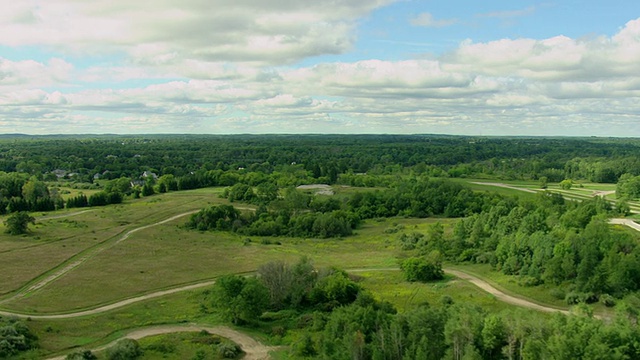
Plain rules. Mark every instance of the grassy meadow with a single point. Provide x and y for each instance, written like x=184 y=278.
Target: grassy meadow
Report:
x=115 y=263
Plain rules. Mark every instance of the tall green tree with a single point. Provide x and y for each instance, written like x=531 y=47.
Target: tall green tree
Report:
x=18 y=223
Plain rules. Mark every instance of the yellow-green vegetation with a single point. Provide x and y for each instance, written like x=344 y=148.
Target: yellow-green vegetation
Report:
x=166 y=255
x=390 y=286
x=97 y=330
x=182 y=345
x=541 y=294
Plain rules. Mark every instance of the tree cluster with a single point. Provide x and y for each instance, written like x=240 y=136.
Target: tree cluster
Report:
x=366 y=330
x=15 y=337
x=279 y=286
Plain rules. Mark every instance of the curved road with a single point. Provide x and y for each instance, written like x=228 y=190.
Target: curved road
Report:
x=254 y=350
x=500 y=295
x=460 y=274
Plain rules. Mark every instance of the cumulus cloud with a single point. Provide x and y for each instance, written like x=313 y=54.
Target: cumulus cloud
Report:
x=30 y=73
x=220 y=84
x=164 y=32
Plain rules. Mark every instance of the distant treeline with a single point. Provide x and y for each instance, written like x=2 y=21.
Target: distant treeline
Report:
x=324 y=157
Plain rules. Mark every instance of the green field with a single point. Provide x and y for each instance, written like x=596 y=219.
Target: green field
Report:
x=108 y=254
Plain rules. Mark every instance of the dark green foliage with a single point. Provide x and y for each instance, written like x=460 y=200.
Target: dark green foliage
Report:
x=229 y=350
x=147 y=190
x=240 y=299
x=81 y=355
x=18 y=223
x=421 y=269
x=103 y=198
x=125 y=349
x=221 y=217
x=78 y=201
x=15 y=337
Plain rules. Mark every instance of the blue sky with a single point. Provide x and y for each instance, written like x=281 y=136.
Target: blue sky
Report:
x=328 y=66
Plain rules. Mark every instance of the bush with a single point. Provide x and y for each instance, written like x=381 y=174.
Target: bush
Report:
x=558 y=293
x=229 y=350
x=421 y=269
x=529 y=281
x=81 y=355
x=574 y=298
x=125 y=349
x=607 y=300
x=15 y=337
x=18 y=223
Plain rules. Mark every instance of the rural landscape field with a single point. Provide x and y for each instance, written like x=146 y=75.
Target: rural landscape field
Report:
x=289 y=247
x=319 y=180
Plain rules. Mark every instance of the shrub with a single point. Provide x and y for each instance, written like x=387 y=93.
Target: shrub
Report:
x=125 y=349
x=558 y=293
x=229 y=350
x=421 y=269
x=81 y=355
x=607 y=300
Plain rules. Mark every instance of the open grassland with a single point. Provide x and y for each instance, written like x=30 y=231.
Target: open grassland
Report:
x=68 y=192
x=61 y=237
x=167 y=255
x=93 y=331
x=391 y=286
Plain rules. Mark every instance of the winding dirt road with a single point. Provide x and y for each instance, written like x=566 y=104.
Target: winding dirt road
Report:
x=254 y=350
x=457 y=273
x=500 y=295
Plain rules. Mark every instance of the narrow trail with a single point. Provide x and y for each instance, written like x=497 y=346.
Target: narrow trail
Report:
x=65 y=269
x=504 y=186
x=51 y=217
x=113 y=306
x=254 y=350
x=501 y=295
x=485 y=286
x=627 y=222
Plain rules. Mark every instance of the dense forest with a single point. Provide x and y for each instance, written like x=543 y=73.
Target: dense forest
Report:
x=136 y=166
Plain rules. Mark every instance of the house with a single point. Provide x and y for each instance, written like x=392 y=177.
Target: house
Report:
x=149 y=174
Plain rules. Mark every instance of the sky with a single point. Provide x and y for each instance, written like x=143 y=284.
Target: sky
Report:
x=557 y=68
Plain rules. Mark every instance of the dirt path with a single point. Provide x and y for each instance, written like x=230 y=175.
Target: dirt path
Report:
x=65 y=269
x=51 y=217
x=253 y=349
x=485 y=286
x=504 y=186
x=113 y=306
x=457 y=273
x=499 y=294
x=627 y=222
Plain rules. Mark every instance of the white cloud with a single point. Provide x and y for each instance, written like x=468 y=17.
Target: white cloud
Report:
x=513 y=83
x=162 y=32
x=30 y=73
